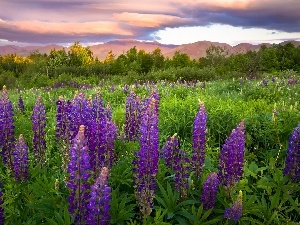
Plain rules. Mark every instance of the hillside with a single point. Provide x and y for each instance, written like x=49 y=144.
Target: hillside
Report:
x=194 y=50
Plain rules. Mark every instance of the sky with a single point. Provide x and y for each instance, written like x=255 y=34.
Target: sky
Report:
x=41 y=22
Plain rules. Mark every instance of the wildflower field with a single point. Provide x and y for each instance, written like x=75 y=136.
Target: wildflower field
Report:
x=221 y=152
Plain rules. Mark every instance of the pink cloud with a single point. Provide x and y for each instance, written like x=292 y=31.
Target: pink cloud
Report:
x=85 y=28
x=150 y=20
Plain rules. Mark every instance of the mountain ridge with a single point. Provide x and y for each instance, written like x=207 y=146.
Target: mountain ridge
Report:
x=194 y=50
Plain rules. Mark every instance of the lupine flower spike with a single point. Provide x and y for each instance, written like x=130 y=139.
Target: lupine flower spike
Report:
x=292 y=162
x=21 y=160
x=235 y=211
x=232 y=157
x=210 y=189
x=177 y=161
x=79 y=171
x=39 y=125
x=199 y=140
x=21 y=104
x=132 y=122
x=62 y=129
x=80 y=114
x=99 y=204
x=146 y=164
x=7 y=127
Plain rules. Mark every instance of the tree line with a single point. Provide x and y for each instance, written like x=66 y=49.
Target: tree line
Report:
x=134 y=64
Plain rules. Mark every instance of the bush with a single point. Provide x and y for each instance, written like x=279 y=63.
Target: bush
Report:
x=8 y=79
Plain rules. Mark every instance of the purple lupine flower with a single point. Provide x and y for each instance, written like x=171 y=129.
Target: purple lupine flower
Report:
x=7 y=138
x=110 y=137
x=169 y=151
x=199 y=140
x=99 y=204
x=126 y=88
x=21 y=160
x=38 y=119
x=210 y=189
x=21 y=104
x=292 y=162
x=80 y=114
x=182 y=174
x=232 y=157
x=103 y=132
x=177 y=161
x=154 y=94
x=265 y=82
x=235 y=211
x=63 y=121
x=112 y=88
x=146 y=163
x=132 y=120
x=96 y=139
x=2 y=219
x=79 y=171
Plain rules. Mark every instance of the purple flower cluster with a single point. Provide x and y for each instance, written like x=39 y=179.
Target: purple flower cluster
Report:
x=7 y=127
x=21 y=104
x=146 y=164
x=292 y=162
x=99 y=204
x=100 y=130
x=177 y=161
x=111 y=131
x=97 y=135
x=199 y=140
x=132 y=117
x=103 y=132
x=80 y=114
x=21 y=160
x=79 y=171
x=63 y=122
x=210 y=189
x=235 y=211
x=38 y=119
x=232 y=157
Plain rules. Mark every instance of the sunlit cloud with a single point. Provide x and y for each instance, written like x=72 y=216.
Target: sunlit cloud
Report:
x=223 y=34
x=92 y=21
x=150 y=20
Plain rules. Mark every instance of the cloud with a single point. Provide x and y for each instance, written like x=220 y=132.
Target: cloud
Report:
x=26 y=30
x=150 y=20
x=267 y=14
x=63 y=21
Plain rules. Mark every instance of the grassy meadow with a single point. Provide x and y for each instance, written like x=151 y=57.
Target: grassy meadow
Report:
x=269 y=108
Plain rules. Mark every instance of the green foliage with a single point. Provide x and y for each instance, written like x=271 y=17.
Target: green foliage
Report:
x=122 y=207
x=268 y=196
x=7 y=78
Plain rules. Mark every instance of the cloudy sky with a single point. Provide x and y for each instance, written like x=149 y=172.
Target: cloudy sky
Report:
x=32 y=22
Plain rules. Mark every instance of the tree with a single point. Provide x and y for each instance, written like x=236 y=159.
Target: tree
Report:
x=57 y=58
x=269 y=61
x=110 y=57
x=180 y=60
x=158 y=58
x=79 y=55
x=145 y=61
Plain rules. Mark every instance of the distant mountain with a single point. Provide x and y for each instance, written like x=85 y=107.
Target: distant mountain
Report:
x=121 y=46
x=197 y=49
x=194 y=50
